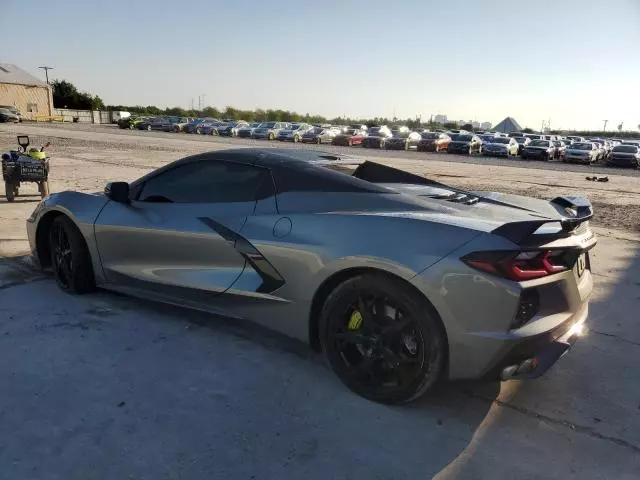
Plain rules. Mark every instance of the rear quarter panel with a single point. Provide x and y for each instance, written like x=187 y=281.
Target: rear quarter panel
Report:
x=320 y=245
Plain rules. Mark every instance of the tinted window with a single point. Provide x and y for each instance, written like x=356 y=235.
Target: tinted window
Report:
x=205 y=182
x=582 y=146
x=539 y=143
x=625 y=149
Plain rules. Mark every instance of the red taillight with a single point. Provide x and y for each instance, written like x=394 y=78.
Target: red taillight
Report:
x=520 y=266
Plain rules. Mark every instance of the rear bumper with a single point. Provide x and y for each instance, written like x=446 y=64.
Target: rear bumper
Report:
x=534 y=357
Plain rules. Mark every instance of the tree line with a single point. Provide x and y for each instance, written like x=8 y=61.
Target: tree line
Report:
x=66 y=95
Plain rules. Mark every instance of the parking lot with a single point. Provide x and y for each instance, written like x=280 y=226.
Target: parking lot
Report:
x=112 y=387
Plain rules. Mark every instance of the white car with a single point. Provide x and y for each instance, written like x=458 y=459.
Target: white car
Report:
x=581 y=152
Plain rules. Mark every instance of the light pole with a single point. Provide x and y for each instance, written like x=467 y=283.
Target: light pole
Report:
x=604 y=129
x=46 y=72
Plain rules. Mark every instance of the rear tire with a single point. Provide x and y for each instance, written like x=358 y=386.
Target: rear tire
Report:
x=70 y=258
x=403 y=341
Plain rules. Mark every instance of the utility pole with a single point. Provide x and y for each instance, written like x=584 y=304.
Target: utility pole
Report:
x=191 y=103
x=46 y=72
x=604 y=129
x=203 y=95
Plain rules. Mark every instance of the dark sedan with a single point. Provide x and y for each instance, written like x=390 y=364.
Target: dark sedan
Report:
x=376 y=137
x=350 y=138
x=624 y=156
x=318 y=135
x=403 y=141
x=539 y=150
x=230 y=129
x=194 y=125
x=7 y=115
x=245 y=132
x=464 y=143
x=522 y=142
x=433 y=142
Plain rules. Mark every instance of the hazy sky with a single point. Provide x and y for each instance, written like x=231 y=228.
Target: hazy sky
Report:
x=576 y=62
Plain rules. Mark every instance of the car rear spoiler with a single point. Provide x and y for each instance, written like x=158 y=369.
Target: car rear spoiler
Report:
x=573 y=211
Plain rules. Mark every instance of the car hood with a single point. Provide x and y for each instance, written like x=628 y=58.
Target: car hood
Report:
x=577 y=152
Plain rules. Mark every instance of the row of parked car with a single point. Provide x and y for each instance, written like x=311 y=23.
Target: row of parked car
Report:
x=537 y=146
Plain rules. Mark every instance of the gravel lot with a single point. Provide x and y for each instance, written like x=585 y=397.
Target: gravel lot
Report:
x=617 y=202
x=104 y=386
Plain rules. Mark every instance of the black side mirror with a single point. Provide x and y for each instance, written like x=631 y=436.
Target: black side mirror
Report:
x=118 y=192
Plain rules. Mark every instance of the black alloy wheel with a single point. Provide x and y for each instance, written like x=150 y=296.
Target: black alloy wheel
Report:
x=61 y=257
x=380 y=339
x=70 y=259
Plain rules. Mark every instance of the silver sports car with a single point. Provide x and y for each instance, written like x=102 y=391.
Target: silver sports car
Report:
x=401 y=281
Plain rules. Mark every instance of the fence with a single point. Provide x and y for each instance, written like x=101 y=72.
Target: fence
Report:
x=83 y=116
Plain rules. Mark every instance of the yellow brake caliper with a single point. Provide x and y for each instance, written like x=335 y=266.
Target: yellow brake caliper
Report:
x=355 y=321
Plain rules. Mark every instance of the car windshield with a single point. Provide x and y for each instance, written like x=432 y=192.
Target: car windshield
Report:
x=430 y=135
x=539 y=143
x=501 y=140
x=351 y=131
x=535 y=137
x=374 y=131
x=317 y=130
x=402 y=134
x=625 y=149
x=487 y=138
x=461 y=138
x=520 y=139
x=267 y=125
x=4 y=110
x=581 y=146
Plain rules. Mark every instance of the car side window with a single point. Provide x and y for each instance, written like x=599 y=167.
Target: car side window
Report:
x=205 y=181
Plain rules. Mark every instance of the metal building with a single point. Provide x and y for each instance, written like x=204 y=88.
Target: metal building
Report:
x=30 y=95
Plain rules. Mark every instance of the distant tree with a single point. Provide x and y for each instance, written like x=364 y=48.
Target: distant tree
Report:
x=527 y=130
x=449 y=125
x=97 y=103
x=468 y=127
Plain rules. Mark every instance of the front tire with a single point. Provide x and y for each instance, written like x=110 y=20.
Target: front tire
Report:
x=381 y=339
x=70 y=258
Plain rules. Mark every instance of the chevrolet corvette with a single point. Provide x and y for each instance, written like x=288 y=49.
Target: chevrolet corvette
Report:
x=401 y=281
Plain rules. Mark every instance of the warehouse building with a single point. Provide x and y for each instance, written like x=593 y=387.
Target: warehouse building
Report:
x=19 y=89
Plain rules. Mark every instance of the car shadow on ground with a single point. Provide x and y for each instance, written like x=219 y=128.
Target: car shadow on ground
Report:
x=234 y=397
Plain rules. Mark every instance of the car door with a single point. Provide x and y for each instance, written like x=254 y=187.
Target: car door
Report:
x=176 y=238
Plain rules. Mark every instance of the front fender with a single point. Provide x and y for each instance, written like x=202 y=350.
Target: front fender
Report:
x=82 y=208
